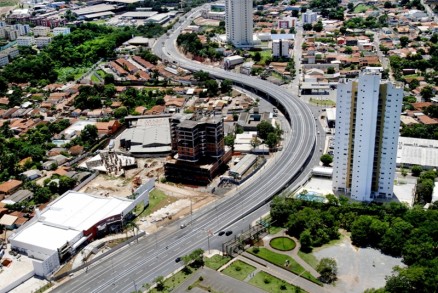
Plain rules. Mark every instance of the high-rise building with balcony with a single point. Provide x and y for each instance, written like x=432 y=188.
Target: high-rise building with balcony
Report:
x=239 y=22
x=366 y=138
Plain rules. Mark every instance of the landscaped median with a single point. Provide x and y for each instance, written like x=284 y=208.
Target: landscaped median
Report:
x=283 y=261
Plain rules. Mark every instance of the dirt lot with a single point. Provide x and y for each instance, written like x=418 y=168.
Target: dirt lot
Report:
x=181 y=198
x=123 y=186
x=202 y=21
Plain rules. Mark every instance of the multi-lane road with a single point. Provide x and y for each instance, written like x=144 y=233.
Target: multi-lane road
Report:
x=154 y=255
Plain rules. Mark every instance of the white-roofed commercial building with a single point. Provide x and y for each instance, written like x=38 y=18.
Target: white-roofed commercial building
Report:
x=417 y=151
x=69 y=222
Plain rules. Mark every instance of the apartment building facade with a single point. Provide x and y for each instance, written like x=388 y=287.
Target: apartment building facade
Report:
x=366 y=138
x=239 y=22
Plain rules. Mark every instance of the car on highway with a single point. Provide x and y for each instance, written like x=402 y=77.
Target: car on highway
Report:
x=221 y=233
x=228 y=233
x=182 y=226
x=178 y=259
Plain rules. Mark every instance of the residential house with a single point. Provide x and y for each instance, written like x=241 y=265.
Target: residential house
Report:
x=128 y=66
x=117 y=69
x=108 y=128
x=9 y=187
x=18 y=196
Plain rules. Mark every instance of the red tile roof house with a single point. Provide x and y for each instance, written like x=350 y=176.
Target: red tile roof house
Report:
x=107 y=128
x=117 y=69
x=9 y=187
x=128 y=66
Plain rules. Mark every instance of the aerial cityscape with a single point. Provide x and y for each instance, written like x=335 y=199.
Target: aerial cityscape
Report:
x=218 y=146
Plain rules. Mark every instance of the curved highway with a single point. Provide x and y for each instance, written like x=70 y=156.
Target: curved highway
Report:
x=139 y=263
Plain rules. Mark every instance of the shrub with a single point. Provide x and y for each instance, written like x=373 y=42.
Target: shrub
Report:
x=282 y=287
x=237 y=268
x=267 y=280
x=189 y=287
x=201 y=278
x=256 y=249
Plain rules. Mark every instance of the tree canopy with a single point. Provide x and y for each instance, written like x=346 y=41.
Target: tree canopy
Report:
x=393 y=228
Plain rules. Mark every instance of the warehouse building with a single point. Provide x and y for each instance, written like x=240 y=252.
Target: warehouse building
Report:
x=147 y=136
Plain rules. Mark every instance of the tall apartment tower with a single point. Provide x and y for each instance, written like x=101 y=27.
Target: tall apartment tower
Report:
x=366 y=139
x=239 y=22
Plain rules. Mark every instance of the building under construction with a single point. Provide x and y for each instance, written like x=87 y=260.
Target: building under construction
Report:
x=198 y=150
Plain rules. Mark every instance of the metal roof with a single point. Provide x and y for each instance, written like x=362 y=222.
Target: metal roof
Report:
x=245 y=163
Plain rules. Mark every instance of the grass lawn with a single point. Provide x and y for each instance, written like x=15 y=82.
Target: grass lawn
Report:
x=238 y=270
x=361 y=8
x=272 y=284
x=283 y=243
x=280 y=260
x=101 y=73
x=309 y=258
x=275 y=229
x=265 y=54
x=65 y=72
x=5 y=3
x=174 y=281
x=157 y=200
x=94 y=78
x=322 y=102
x=216 y=261
x=100 y=21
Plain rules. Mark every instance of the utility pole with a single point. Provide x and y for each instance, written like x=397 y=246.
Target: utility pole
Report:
x=191 y=212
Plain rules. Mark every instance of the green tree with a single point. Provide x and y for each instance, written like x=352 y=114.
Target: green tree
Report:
x=306 y=241
x=424 y=190
x=108 y=79
x=212 y=87
x=272 y=140
x=201 y=76
x=3 y=85
x=416 y=170
x=89 y=134
x=387 y=5
x=257 y=57
x=326 y=159
x=229 y=140
x=226 y=86
x=331 y=70
x=318 y=26
x=328 y=270
x=264 y=128
x=307 y=27
x=160 y=283
x=360 y=230
x=427 y=93
x=404 y=41
x=414 y=84
x=120 y=112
